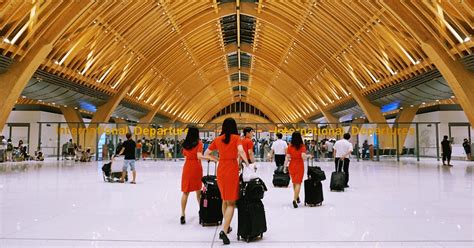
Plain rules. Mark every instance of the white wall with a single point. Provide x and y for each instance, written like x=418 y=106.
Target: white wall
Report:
x=427 y=134
x=49 y=133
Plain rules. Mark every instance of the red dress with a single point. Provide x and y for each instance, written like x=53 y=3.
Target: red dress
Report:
x=192 y=170
x=228 y=169
x=296 y=167
x=247 y=144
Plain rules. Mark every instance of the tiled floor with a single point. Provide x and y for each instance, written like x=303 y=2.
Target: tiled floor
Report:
x=389 y=204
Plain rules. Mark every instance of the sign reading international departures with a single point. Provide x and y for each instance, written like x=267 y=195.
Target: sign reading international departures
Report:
x=153 y=132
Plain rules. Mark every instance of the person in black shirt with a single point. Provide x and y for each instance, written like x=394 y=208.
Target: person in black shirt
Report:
x=467 y=149
x=128 y=147
x=446 y=147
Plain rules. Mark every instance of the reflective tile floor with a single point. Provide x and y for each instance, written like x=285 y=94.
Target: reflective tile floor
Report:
x=388 y=204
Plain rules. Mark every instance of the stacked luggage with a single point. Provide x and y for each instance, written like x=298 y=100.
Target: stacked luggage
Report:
x=280 y=177
x=313 y=188
x=210 y=205
x=338 y=178
x=110 y=176
x=251 y=212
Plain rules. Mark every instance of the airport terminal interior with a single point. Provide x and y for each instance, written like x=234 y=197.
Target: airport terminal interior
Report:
x=349 y=122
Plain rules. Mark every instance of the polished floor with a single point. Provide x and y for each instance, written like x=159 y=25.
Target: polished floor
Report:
x=388 y=204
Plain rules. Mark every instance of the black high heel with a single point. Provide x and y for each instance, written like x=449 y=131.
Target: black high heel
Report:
x=183 y=220
x=229 y=230
x=224 y=238
x=298 y=200
x=295 y=205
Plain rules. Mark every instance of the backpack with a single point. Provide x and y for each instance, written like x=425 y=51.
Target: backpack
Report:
x=9 y=147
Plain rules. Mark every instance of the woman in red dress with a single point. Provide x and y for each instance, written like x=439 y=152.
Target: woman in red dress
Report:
x=296 y=154
x=192 y=169
x=230 y=147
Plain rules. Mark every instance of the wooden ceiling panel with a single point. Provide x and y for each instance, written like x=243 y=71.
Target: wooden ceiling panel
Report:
x=172 y=53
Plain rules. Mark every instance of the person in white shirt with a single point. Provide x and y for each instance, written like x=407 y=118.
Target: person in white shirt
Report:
x=279 y=149
x=329 y=146
x=342 y=150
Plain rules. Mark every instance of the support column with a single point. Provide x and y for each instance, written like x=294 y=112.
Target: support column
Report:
x=19 y=73
x=356 y=123
x=148 y=118
x=74 y=122
x=330 y=118
x=103 y=114
x=458 y=77
x=122 y=125
x=371 y=111
x=407 y=114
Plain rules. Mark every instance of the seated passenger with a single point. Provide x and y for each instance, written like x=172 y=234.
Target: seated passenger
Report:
x=39 y=156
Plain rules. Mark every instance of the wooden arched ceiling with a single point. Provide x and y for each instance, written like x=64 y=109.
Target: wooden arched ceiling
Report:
x=173 y=54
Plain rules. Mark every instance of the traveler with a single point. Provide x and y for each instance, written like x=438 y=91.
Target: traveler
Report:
x=128 y=147
x=192 y=169
x=342 y=150
x=247 y=144
x=230 y=148
x=467 y=149
x=9 y=150
x=295 y=155
x=365 y=150
x=279 y=149
x=447 y=150
x=329 y=145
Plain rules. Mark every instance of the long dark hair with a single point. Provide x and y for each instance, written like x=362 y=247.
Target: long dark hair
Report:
x=229 y=127
x=192 y=138
x=296 y=140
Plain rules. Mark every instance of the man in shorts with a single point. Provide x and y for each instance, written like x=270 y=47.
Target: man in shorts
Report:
x=128 y=147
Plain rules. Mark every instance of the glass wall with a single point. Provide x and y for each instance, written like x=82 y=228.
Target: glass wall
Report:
x=163 y=141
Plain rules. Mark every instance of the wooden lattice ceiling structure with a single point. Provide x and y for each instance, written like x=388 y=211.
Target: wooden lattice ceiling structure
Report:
x=184 y=59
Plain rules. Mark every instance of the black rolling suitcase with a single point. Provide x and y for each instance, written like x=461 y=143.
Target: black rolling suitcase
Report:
x=313 y=193
x=313 y=188
x=338 y=178
x=251 y=212
x=280 y=178
x=210 y=205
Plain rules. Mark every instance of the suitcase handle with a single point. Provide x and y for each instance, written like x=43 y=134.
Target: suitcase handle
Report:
x=215 y=171
x=310 y=164
x=339 y=162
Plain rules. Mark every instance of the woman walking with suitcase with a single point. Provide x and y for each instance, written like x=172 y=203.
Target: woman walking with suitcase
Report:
x=192 y=169
x=230 y=147
x=296 y=154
